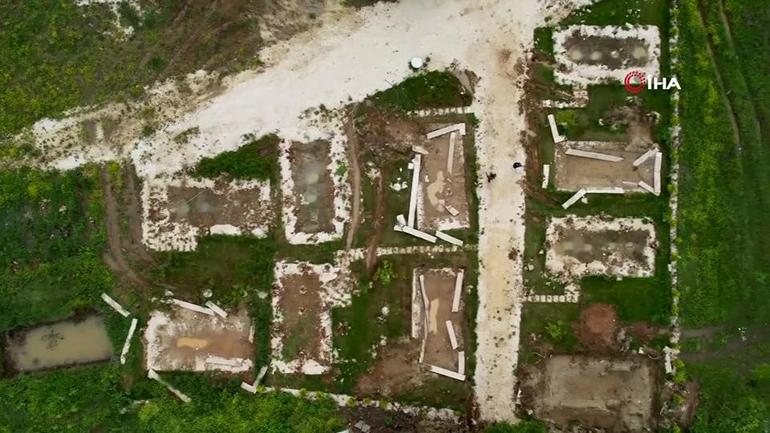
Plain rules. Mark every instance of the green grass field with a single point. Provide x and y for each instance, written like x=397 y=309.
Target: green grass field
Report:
x=725 y=198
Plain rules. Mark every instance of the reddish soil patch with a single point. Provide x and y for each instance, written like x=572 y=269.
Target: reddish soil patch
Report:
x=301 y=306
x=598 y=327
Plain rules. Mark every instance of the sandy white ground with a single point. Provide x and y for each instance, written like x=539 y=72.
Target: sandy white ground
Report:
x=351 y=55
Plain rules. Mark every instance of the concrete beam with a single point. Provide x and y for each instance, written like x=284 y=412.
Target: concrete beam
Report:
x=450 y=329
x=115 y=306
x=446 y=130
x=593 y=155
x=546 y=175
x=458 y=291
x=127 y=343
x=447 y=373
x=554 y=130
x=645 y=156
x=449 y=238
x=572 y=200
x=192 y=307
x=412 y=215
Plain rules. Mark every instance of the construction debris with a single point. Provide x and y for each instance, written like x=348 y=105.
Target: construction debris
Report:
x=192 y=307
x=127 y=343
x=418 y=234
x=546 y=175
x=216 y=309
x=458 y=291
x=447 y=373
x=449 y=238
x=604 y=190
x=645 y=156
x=446 y=130
x=363 y=427
x=115 y=306
x=450 y=329
x=645 y=186
x=182 y=396
x=593 y=155
x=252 y=388
x=572 y=200
x=656 y=178
x=452 y=211
x=411 y=216
x=450 y=157
x=554 y=130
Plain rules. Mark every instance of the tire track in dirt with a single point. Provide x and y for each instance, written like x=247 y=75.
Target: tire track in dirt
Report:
x=355 y=179
x=115 y=257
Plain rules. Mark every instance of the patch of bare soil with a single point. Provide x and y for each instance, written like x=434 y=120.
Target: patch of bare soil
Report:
x=115 y=256
x=612 y=52
x=301 y=306
x=355 y=181
x=598 y=327
x=440 y=187
x=575 y=172
x=313 y=186
x=439 y=288
x=588 y=247
x=381 y=421
x=615 y=395
x=396 y=370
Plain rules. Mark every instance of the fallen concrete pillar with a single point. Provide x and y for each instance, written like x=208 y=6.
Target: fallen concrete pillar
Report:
x=215 y=308
x=447 y=373
x=450 y=329
x=411 y=216
x=446 y=130
x=419 y=234
x=593 y=155
x=450 y=161
x=605 y=190
x=554 y=130
x=192 y=307
x=572 y=200
x=656 y=179
x=458 y=291
x=127 y=343
x=252 y=388
x=115 y=306
x=182 y=396
x=452 y=211
x=546 y=175
x=645 y=186
x=449 y=238
x=461 y=362
x=645 y=156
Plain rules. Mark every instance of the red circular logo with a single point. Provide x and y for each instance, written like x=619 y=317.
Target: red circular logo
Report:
x=635 y=81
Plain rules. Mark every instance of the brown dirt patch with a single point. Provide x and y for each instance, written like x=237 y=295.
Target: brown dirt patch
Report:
x=616 y=395
x=396 y=371
x=300 y=305
x=440 y=188
x=439 y=288
x=204 y=207
x=573 y=172
x=598 y=327
x=601 y=50
x=587 y=247
x=313 y=186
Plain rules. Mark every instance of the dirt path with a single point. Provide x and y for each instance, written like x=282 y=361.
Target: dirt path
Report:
x=115 y=257
x=355 y=180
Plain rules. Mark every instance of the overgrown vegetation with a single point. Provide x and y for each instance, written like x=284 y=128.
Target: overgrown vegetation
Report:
x=434 y=89
x=57 y=55
x=257 y=159
x=725 y=199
